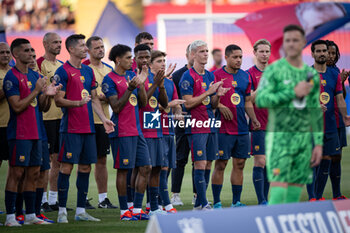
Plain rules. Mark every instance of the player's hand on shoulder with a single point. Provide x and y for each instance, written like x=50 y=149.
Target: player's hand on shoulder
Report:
x=302 y=89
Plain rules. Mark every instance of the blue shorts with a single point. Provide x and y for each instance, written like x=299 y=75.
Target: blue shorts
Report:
x=169 y=151
x=342 y=137
x=236 y=146
x=45 y=161
x=331 y=145
x=203 y=146
x=156 y=151
x=77 y=148
x=130 y=152
x=25 y=153
x=257 y=142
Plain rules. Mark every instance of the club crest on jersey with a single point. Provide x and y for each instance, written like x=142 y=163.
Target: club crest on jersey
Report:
x=8 y=85
x=82 y=79
x=276 y=171
x=323 y=82
x=234 y=83
x=221 y=152
x=153 y=102
x=84 y=93
x=206 y=101
x=69 y=155
x=125 y=161
x=204 y=85
x=257 y=147
x=34 y=103
x=185 y=84
x=149 y=85
x=22 y=158
x=324 y=98
x=199 y=152
x=29 y=84
x=235 y=99
x=133 y=100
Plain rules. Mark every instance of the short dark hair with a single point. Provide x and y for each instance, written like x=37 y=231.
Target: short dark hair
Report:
x=72 y=40
x=17 y=43
x=215 y=51
x=141 y=47
x=143 y=35
x=118 y=50
x=293 y=27
x=230 y=48
x=157 y=53
x=93 y=38
x=317 y=42
x=332 y=43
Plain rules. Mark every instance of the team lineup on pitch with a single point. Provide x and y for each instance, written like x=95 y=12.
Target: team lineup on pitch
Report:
x=290 y=117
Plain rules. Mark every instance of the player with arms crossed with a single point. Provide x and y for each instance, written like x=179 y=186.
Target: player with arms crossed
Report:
x=234 y=132
x=289 y=89
x=262 y=52
x=78 y=99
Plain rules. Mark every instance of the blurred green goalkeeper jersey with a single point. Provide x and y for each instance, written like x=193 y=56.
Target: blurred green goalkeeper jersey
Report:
x=286 y=113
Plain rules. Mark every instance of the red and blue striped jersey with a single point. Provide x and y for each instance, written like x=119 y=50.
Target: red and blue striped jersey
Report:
x=195 y=84
x=234 y=99
x=127 y=122
x=25 y=125
x=338 y=116
x=261 y=114
x=329 y=88
x=151 y=107
x=167 y=114
x=77 y=83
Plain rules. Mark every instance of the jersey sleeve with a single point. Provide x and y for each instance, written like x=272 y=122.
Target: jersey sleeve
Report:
x=108 y=87
x=186 y=84
x=61 y=77
x=175 y=96
x=249 y=87
x=11 y=85
x=316 y=114
x=268 y=96
x=339 y=86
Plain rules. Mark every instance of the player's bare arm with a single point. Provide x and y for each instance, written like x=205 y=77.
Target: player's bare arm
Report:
x=142 y=94
x=19 y=105
x=221 y=91
x=342 y=108
x=96 y=105
x=117 y=104
x=157 y=79
x=249 y=109
x=49 y=92
x=225 y=111
x=62 y=102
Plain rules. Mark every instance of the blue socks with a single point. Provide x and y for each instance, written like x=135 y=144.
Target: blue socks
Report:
x=62 y=187
x=138 y=200
x=311 y=187
x=10 y=202
x=266 y=185
x=335 y=174
x=154 y=191
x=207 y=177
x=163 y=187
x=236 y=193
x=29 y=199
x=83 y=187
x=123 y=202
x=199 y=180
x=19 y=204
x=38 y=198
x=322 y=176
x=259 y=182
x=216 y=188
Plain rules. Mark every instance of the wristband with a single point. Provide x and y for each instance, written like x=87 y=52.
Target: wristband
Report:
x=130 y=89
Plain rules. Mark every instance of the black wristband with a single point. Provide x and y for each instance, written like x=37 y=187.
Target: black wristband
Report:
x=131 y=89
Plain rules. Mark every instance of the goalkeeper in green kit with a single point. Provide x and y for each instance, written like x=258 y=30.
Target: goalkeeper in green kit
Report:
x=290 y=90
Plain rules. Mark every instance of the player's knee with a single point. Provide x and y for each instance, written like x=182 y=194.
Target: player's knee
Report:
x=16 y=173
x=240 y=164
x=84 y=168
x=220 y=165
x=145 y=171
x=336 y=158
x=101 y=161
x=66 y=168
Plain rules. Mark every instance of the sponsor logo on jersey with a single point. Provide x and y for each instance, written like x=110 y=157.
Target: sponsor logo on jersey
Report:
x=84 y=93
x=206 y=101
x=34 y=103
x=235 y=99
x=133 y=100
x=324 y=98
x=153 y=102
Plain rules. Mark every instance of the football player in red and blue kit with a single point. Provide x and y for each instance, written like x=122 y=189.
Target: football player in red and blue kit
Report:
x=197 y=88
x=167 y=120
x=27 y=94
x=150 y=121
x=262 y=52
x=128 y=144
x=234 y=131
x=331 y=90
x=77 y=132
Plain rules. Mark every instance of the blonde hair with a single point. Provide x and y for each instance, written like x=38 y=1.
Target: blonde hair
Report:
x=261 y=42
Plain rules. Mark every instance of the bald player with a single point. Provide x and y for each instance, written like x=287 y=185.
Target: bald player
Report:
x=96 y=52
x=5 y=58
x=47 y=65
